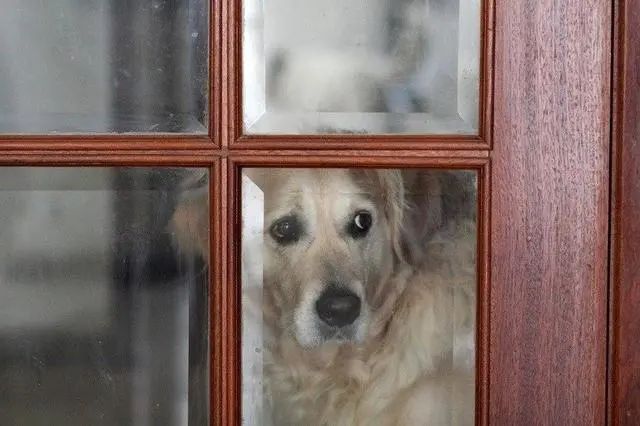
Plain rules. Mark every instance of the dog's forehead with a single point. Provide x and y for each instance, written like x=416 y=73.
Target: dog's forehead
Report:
x=329 y=183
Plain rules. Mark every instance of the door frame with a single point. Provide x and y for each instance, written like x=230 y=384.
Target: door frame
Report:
x=624 y=291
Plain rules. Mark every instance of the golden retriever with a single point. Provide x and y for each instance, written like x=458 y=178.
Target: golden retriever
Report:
x=368 y=297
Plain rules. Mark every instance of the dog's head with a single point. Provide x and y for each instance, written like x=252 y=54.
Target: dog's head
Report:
x=331 y=240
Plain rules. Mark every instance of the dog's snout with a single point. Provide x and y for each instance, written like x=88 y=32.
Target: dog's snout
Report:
x=338 y=307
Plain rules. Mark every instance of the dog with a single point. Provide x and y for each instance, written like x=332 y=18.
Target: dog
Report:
x=368 y=296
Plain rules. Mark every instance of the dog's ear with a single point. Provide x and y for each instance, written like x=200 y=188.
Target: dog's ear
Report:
x=434 y=198
x=391 y=186
x=189 y=224
x=413 y=203
x=424 y=212
x=413 y=206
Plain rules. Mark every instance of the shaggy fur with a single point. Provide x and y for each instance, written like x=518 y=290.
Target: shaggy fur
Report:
x=409 y=359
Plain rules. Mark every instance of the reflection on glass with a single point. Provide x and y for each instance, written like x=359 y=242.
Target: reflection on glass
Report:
x=78 y=66
x=103 y=319
x=358 y=297
x=362 y=66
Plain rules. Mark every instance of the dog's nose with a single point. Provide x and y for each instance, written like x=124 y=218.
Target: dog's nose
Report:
x=338 y=307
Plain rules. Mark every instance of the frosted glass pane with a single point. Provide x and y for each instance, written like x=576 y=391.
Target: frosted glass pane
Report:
x=363 y=66
x=94 y=66
x=103 y=314
x=358 y=297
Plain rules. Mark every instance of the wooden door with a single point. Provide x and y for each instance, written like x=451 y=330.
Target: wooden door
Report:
x=554 y=146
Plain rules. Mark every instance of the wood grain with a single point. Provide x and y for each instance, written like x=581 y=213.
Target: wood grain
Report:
x=215 y=73
x=624 y=394
x=112 y=142
x=483 y=331
x=107 y=158
x=217 y=207
x=360 y=142
x=550 y=213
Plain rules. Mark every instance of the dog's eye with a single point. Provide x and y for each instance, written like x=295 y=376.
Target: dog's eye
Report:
x=360 y=224
x=286 y=230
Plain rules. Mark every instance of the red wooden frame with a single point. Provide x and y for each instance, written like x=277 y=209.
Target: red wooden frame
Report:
x=624 y=291
x=550 y=211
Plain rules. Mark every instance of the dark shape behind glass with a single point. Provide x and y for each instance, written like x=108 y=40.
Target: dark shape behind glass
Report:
x=103 y=321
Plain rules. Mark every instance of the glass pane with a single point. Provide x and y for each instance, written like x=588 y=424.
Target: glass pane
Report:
x=81 y=66
x=103 y=306
x=358 y=297
x=362 y=66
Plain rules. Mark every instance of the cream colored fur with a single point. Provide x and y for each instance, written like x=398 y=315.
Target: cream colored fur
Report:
x=419 y=371
x=415 y=365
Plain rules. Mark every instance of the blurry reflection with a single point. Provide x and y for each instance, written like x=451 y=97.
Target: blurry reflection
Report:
x=102 y=320
x=363 y=66
x=103 y=66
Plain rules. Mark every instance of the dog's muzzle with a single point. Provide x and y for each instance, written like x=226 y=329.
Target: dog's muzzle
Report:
x=338 y=307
